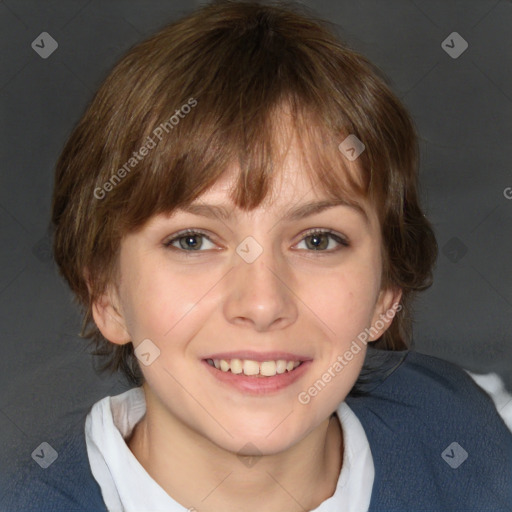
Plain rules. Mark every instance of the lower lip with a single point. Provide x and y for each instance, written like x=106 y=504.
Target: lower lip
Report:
x=259 y=385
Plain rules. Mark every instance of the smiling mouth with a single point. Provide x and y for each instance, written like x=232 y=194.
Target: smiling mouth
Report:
x=251 y=368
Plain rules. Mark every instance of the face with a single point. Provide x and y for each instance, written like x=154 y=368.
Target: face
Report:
x=260 y=287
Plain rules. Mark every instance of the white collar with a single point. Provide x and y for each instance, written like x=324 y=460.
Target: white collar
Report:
x=127 y=487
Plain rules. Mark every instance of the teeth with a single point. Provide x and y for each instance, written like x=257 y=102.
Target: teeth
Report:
x=268 y=368
x=281 y=366
x=250 y=367
x=236 y=366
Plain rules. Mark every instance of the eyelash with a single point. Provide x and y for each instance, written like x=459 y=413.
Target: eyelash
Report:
x=342 y=241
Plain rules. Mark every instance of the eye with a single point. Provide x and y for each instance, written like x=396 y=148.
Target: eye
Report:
x=319 y=240
x=192 y=240
x=189 y=240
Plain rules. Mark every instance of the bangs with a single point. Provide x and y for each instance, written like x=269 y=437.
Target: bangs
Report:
x=180 y=170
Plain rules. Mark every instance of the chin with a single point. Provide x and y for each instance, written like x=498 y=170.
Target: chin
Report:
x=250 y=441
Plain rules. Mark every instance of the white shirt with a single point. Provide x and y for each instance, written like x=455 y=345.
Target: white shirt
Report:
x=127 y=487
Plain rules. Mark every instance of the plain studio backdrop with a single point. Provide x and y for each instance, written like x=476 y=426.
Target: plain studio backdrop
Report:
x=450 y=62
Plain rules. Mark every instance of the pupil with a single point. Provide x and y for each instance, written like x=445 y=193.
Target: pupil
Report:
x=191 y=239
x=316 y=241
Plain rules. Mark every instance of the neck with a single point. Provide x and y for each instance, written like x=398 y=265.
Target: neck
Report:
x=200 y=475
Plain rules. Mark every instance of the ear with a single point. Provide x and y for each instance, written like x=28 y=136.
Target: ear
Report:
x=109 y=318
x=386 y=307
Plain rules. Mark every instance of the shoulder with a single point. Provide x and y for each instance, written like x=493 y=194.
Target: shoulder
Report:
x=431 y=428
x=420 y=383
x=54 y=475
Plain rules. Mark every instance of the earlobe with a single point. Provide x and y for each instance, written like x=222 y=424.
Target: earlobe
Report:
x=110 y=320
x=387 y=306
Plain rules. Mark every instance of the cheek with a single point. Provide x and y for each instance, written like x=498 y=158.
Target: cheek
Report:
x=344 y=301
x=153 y=301
x=167 y=305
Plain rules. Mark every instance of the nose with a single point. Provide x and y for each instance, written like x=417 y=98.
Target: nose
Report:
x=261 y=293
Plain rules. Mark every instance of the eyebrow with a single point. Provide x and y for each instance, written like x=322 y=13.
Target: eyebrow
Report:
x=293 y=214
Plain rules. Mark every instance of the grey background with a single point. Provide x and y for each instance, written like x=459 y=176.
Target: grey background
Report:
x=463 y=111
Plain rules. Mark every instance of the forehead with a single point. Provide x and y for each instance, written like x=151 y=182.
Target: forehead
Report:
x=294 y=198
x=295 y=192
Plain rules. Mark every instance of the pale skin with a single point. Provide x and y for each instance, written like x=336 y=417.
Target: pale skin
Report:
x=291 y=298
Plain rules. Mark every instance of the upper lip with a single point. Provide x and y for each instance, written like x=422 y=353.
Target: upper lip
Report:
x=259 y=356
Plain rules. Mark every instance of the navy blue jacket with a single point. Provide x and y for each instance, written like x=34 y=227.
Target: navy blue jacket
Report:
x=437 y=441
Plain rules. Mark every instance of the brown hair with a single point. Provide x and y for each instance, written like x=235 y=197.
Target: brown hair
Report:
x=205 y=92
